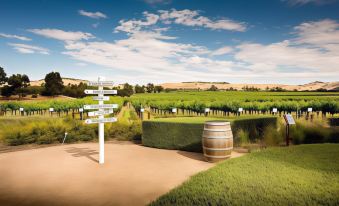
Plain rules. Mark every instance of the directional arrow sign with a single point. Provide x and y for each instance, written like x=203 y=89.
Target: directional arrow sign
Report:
x=97 y=113
x=102 y=106
x=101 y=83
x=102 y=120
x=87 y=91
x=98 y=98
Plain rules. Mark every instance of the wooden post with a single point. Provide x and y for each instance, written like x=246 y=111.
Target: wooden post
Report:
x=287 y=134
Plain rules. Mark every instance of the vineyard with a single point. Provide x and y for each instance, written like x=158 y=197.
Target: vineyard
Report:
x=60 y=107
x=228 y=103
x=194 y=103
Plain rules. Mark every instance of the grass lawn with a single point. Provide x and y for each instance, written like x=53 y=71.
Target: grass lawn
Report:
x=298 y=175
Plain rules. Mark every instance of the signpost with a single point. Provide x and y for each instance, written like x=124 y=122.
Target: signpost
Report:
x=88 y=91
x=289 y=121
x=274 y=110
x=102 y=110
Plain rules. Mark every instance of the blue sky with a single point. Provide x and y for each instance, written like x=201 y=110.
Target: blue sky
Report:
x=272 y=41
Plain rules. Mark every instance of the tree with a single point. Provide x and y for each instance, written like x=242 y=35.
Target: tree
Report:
x=139 y=89
x=7 y=91
x=53 y=84
x=3 y=76
x=75 y=90
x=127 y=90
x=150 y=88
x=213 y=88
x=17 y=84
x=158 y=89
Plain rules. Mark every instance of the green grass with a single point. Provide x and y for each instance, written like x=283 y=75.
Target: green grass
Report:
x=298 y=175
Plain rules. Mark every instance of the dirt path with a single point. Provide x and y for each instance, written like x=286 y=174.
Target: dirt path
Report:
x=71 y=175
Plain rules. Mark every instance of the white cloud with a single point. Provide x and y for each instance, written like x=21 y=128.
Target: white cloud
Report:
x=148 y=54
x=62 y=35
x=29 y=49
x=192 y=18
x=315 y=49
x=221 y=51
x=303 y=2
x=11 y=36
x=80 y=64
x=154 y=2
x=133 y=26
x=94 y=15
x=318 y=33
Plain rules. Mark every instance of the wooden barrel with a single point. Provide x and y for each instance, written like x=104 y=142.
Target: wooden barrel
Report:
x=217 y=141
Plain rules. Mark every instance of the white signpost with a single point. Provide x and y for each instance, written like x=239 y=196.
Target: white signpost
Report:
x=309 y=109
x=207 y=110
x=88 y=91
x=98 y=113
x=102 y=110
x=274 y=110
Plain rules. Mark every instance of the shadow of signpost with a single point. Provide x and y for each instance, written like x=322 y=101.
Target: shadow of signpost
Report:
x=83 y=152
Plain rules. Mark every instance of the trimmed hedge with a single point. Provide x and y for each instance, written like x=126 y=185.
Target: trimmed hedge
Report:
x=187 y=136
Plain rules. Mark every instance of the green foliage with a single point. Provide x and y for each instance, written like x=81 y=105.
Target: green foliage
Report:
x=75 y=90
x=17 y=84
x=3 y=76
x=150 y=88
x=242 y=138
x=139 y=89
x=53 y=84
x=186 y=133
x=313 y=132
x=213 y=88
x=297 y=175
x=126 y=91
x=58 y=105
x=122 y=131
x=230 y=101
x=48 y=130
x=158 y=89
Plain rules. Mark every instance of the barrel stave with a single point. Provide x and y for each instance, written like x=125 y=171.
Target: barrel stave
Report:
x=217 y=141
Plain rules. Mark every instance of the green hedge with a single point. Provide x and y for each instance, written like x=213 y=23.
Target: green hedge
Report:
x=187 y=136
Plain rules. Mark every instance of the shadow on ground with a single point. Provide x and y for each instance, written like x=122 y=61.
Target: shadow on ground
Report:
x=82 y=152
x=192 y=155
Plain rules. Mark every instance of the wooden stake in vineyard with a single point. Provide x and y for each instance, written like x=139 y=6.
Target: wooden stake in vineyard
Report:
x=103 y=109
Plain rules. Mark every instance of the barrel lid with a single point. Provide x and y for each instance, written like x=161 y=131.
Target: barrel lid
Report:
x=217 y=123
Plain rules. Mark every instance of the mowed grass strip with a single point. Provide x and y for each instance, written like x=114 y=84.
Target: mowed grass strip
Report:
x=298 y=175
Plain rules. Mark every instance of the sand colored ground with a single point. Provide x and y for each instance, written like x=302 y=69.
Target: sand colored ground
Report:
x=71 y=175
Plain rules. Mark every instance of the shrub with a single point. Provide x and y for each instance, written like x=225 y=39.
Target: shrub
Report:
x=241 y=138
x=123 y=131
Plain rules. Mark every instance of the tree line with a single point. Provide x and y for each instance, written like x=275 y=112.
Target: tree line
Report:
x=19 y=84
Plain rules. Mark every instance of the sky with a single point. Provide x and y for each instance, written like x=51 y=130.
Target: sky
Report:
x=141 y=41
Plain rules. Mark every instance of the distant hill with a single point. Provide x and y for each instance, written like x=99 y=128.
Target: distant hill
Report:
x=206 y=85
x=64 y=79
x=220 y=85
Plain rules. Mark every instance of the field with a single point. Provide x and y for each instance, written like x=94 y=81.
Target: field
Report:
x=222 y=102
x=299 y=175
